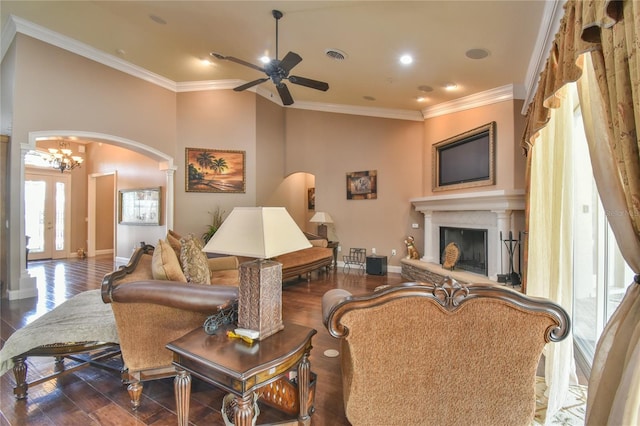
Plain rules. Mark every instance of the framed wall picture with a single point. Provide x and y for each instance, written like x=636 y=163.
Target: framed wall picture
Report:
x=139 y=206
x=311 y=199
x=362 y=185
x=465 y=160
x=214 y=170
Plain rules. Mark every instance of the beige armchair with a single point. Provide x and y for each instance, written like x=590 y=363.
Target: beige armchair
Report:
x=151 y=313
x=445 y=354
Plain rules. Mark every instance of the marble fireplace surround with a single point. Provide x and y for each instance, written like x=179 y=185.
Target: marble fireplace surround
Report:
x=496 y=211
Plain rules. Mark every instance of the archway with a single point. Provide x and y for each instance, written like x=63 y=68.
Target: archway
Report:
x=27 y=286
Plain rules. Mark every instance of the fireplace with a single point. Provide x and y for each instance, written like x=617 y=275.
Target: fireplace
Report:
x=472 y=244
x=491 y=213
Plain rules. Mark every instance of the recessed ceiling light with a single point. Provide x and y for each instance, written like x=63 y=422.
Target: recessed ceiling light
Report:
x=406 y=59
x=335 y=54
x=157 y=19
x=425 y=88
x=120 y=52
x=477 y=53
x=265 y=59
x=450 y=86
x=421 y=99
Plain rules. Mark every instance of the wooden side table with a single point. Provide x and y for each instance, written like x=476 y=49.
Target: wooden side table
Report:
x=241 y=369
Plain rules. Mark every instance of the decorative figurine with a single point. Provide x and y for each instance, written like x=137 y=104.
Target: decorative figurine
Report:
x=412 y=251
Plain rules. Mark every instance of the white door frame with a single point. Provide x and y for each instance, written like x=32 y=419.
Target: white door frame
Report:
x=34 y=172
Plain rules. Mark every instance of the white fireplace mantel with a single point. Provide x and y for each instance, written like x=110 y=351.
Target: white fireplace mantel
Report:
x=497 y=211
x=498 y=200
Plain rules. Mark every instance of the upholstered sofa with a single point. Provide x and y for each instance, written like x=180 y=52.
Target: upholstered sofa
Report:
x=151 y=312
x=297 y=264
x=303 y=262
x=168 y=290
x=443 y=354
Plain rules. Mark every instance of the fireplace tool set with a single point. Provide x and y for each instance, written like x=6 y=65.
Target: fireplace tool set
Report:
x=512 y=245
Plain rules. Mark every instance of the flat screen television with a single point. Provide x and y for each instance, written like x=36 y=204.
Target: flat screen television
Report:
x=465 y=160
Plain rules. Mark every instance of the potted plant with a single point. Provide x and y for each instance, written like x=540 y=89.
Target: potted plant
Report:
x=217 y=219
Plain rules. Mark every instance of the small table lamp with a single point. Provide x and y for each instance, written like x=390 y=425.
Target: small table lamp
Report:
x=263 y=233
x=322 y=218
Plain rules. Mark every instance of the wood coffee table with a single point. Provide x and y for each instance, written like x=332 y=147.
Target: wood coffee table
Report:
x=241 y=369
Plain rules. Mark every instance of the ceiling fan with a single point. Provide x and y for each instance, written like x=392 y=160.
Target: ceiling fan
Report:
x=277 y=71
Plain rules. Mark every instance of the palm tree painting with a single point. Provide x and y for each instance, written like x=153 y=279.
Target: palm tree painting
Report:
x=214 y=170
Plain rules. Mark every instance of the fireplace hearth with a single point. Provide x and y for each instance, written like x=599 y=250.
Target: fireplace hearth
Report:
x=493 y=213
x=472 y=244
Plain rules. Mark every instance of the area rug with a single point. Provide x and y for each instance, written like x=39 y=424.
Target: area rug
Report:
x=572 y=412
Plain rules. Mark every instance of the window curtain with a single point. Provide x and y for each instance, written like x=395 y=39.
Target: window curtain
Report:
x=550 y=269
x=597 y=46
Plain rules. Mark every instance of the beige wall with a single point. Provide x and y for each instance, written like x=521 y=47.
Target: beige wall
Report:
x=58 y=90
x=330 y=145
x=134 y=171
x=220 y=119
x=270 y=149
x=509 y=125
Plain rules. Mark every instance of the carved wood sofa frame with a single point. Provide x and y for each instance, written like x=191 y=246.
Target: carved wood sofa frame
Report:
x=441 y=354
x=149 y=314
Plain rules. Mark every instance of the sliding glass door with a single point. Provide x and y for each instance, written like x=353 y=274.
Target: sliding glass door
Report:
x=600 y=273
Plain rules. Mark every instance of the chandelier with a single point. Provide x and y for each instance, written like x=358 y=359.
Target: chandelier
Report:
x=62 y=158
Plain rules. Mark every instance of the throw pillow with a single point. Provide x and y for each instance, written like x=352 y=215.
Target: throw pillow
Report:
x=165 y=265
x=174 y=234
x=175 y=244
x=194 y=261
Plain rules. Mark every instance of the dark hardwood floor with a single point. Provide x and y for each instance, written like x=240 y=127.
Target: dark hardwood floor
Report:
x=93 y=396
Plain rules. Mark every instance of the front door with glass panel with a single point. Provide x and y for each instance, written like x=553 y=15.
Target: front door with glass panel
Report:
x=47 y=215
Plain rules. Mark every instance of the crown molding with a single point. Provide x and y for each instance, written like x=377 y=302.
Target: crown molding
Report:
x=398 y=114
x=551 y=17
x=196 y=86
x=488 y=97
x=43 y=34
x=18 y=25
x=8 y=33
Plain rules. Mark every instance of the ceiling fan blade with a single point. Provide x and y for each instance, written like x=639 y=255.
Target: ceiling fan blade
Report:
x=237 y=61
x=307 y=82
x=250 y=84
x=289 y=61
x=285 y=95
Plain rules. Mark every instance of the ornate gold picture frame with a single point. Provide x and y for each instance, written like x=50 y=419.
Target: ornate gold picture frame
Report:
x=465 y=160
x=214 y=170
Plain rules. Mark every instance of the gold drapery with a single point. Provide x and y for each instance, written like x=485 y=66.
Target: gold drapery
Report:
x=607 y=31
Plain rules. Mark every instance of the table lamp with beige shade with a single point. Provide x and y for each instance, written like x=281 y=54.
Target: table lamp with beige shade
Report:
x=322 y=218
x=262 y=233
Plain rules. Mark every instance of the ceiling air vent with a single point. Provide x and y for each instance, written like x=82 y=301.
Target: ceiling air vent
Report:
x=336 y=54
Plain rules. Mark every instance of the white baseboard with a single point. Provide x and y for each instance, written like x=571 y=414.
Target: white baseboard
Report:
x=395 y=269
x=105 y=251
